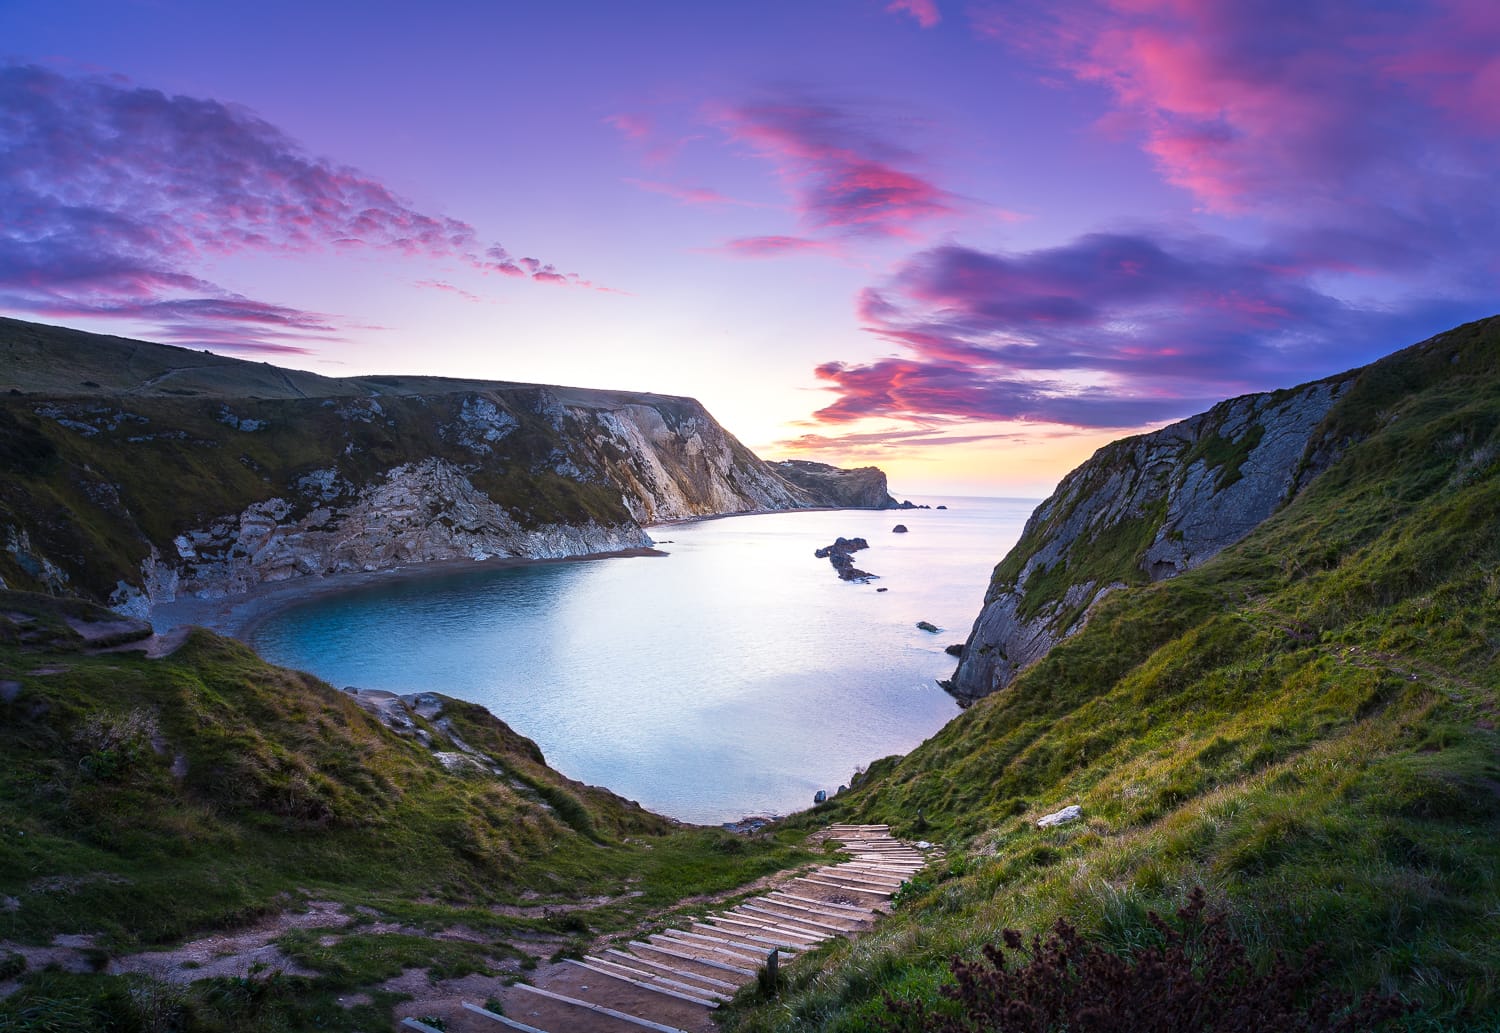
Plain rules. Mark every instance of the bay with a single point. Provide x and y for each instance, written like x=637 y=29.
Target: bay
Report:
x=735 y=676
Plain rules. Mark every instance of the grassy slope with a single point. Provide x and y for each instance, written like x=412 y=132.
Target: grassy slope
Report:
x=1306 y=726
x=291 y=792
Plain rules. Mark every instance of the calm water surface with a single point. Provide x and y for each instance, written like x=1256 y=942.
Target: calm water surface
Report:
x=735 y=676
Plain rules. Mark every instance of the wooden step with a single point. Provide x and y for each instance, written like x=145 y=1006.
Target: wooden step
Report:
x=845 y=887
x=743 y=955
x=422 y=1027
x=792 y=921
x=761 y=909
x=834 y=908
x=814 y=909
x=762 y=925
x=753 y=939
x=644 y=984
x=682 y=956
x=724 y=939
x=649 y=976
x=636 y=959
x=599 y=1009
x=486 y=1013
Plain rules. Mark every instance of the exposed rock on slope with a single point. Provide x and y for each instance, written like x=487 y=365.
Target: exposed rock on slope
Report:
x=130 y=472
x=1143 y=508
x=861 y=488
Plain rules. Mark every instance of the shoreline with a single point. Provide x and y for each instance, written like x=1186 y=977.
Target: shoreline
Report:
x=237 y=616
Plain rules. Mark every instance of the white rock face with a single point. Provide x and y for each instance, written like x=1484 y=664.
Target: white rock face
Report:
x=1198 y=508
x=418 y=513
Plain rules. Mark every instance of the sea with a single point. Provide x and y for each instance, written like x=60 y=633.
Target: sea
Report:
x=734 y=676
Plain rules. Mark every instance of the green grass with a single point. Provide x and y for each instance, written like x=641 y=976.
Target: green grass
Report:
x=1305 y=726
x=292 y=792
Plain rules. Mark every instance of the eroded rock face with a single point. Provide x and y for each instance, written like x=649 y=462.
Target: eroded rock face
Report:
x=419 y=513
x=1141 y=509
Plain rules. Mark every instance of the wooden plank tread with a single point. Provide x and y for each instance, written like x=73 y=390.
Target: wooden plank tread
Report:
x=643 y=984
x=684 y=973
x=709 y=962
x=512 y=1023
x=600 y=1009
x=647 y=974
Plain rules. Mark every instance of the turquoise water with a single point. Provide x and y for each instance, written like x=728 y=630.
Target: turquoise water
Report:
x=736 y=675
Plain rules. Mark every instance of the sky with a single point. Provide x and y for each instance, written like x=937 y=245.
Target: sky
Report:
x=968 y=241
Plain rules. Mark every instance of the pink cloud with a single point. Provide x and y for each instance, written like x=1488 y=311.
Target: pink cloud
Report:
x=111 y=194
x=777 y=246
x=845 y=176
x=448 y=288
x=924 y=11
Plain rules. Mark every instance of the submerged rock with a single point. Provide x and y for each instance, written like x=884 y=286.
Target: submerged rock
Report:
x=928 y=626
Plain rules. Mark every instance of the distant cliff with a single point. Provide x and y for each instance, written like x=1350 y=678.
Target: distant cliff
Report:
x=860 y=488
x=1142 y=509
x=132 y=472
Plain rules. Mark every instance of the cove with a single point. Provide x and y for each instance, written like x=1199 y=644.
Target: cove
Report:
x=736 y=675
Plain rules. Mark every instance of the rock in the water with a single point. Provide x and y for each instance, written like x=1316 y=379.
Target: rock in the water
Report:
x=942 y=507
x=1072 y=812
x=839 y=554
x=882 y=589
x=957 y=649
x=928 y=626
x=899 y=529
x=821 y=796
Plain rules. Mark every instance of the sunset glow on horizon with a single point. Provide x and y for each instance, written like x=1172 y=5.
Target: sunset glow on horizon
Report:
x=969 y=241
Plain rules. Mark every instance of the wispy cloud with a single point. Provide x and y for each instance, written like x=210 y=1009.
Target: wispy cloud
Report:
x=924 y=11
x=692 y=195
x=111 y=196
x=843 y=172
x=778 y=247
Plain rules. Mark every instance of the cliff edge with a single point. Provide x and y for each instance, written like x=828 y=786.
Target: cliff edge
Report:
x=1142 y=509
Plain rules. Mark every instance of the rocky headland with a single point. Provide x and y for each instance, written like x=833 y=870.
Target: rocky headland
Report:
x=137 y=474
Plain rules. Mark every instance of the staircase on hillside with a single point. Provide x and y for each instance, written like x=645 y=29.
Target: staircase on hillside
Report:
x=671 y=982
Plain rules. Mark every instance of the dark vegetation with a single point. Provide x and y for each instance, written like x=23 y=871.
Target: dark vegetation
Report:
x=1197 y=978
x=145 y=802
x=1305 y=726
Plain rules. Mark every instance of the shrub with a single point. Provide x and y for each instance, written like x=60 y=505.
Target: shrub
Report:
x=1198 y=980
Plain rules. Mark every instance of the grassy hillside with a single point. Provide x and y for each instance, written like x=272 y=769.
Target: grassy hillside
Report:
x=144 y=801
x=1305 y=726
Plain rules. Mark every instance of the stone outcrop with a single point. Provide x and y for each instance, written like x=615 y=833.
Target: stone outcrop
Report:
x=1142 y=509
x=841 y=555
x=861 y=488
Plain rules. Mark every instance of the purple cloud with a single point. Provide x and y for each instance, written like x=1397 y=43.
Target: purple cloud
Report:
x=1357 y=147
x=845 y=176
x=924 y=11
x=1109 y=331
x=111 y=194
